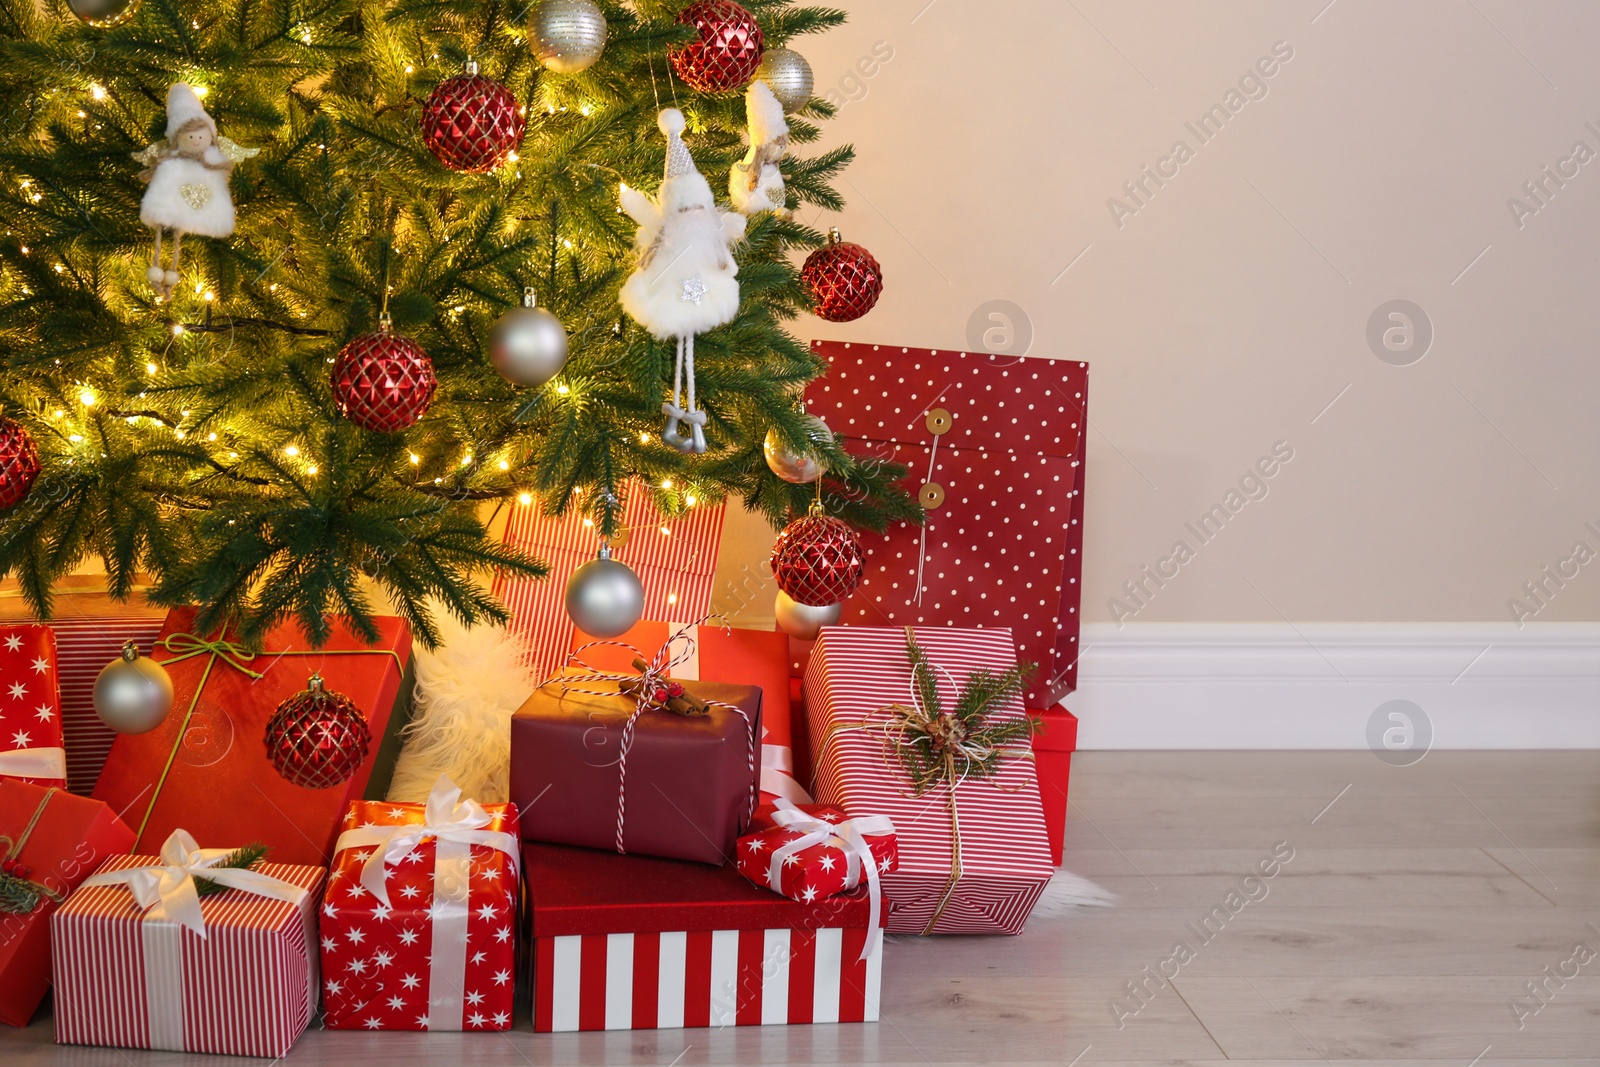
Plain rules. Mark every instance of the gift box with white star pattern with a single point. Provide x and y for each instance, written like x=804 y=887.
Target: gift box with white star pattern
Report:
x=402 y=965
x=31 y=748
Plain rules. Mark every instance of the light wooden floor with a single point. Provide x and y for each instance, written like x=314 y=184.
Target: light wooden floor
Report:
x=1418 y=903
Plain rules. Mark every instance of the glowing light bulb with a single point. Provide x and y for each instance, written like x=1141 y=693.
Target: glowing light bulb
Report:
x=689 y=500
x=177 y=329
x=672 y=598
x=588 y=522
x=466 y=460
x=200 y=90
x=97 y=91
x=644 y=439
x=666 y=483
x=563 y=390
x=211 y=436
x=665 y=532
x=75 y=438
x=504 y=465
x=149 y=368
x=311 y=469
x=415 y=459
x=86 y=398
x=524 y=499
x=291 y=451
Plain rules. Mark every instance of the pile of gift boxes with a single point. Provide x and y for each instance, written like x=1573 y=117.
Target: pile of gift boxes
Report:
x=706 y=826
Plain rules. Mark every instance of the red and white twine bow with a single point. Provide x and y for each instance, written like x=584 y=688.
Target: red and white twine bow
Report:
x=850 y=837
x=650 y=688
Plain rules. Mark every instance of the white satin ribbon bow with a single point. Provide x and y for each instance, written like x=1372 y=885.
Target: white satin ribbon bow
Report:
x=167 y=891
x=455 y=826
x=34 y=763
x=850 y=837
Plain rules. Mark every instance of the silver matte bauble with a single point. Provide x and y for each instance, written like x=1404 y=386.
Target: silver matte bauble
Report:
x=103 y=14
x=133 y=694
x=792 y=468
x=528 y=345
x=604 y=597
x=803 y=621
x=568 y=35
x=788 y=75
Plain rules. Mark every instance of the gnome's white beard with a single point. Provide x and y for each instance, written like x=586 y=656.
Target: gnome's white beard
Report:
x=687 y=252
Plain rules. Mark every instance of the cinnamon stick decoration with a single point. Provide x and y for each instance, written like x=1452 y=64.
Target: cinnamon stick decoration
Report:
x=663 y=692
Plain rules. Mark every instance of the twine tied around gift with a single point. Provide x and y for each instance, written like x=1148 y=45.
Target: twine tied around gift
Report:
x=183 y=646
x=938 y=746
x=19 y=893
x=650 y=688
x=167 y=889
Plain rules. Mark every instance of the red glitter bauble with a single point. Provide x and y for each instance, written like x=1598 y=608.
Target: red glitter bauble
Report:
x=843 y=279
x=817 y=560
x=472 y=123
x=727 y=52
x=318 y=738
x=382 y=381
x=19 y=462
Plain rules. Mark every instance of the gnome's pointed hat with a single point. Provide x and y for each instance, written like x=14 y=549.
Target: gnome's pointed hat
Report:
x=682 y=185
x=183 y=107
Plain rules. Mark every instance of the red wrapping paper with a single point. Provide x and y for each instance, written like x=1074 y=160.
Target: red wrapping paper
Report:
x=206 y=769
x=723 y=654
x=676 y=560
x=70 y=837
x=376 y=958
x=249 y=988
x=1003 y=547
x=814 y=872
x=30 y=704
x=628 y=942
x=988 y=883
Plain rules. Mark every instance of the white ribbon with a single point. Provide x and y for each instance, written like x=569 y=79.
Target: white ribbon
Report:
x=34 y=763
x=850 y=837
x=777 y=774
x=166 y=891
x=455 y=825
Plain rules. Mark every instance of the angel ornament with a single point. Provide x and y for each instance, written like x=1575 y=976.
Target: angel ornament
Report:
x=188 y=174
x=755 y=183
x=685 y=281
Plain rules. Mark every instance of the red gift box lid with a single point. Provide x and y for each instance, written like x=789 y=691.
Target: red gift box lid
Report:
x=1059 y=732
x=585 y=891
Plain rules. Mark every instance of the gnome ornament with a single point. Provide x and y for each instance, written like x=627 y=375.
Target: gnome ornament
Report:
x=685 y=282
x=756 y=183
x=188 y=173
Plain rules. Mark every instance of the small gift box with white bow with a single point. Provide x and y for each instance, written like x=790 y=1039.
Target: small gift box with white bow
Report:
x=420 y=917
x=808 y=852
x=147 y=958
x=31 y=747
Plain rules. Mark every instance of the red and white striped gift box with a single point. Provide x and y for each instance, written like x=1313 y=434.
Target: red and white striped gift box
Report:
x=680 y=978
x=676 y=559
x=854 y=674
x=31 y=748
x=249 y=988
x=629 y=942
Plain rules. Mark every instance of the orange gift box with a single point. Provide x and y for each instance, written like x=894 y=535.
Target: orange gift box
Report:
x=206 y=769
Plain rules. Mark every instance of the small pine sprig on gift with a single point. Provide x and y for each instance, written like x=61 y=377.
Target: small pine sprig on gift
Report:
x=937 y=746
x=241 y=859
x=19 y=893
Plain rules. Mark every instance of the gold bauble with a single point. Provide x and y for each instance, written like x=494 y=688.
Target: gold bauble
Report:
x=103 y=14
x=789 y=76
x=568 y=35
x=792 y=468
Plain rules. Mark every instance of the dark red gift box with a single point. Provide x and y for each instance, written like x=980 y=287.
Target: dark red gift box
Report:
x=205 y=768
x=61 y=839
x=683 y=786
x=630 y=942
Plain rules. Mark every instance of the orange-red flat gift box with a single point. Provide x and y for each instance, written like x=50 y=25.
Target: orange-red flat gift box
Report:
x=206 y=769
x=61 y=839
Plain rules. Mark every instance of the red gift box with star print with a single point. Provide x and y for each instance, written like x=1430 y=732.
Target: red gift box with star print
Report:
x=31 y=746
x=822 y=869
x=994 y=445
x=397 y=966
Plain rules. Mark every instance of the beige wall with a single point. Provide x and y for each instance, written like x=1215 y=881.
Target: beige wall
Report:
x=1226 y=313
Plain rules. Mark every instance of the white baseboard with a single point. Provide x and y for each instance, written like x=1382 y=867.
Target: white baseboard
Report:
x=1317 y=685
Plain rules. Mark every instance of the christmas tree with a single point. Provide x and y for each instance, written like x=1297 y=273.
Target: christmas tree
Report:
x=186 y=425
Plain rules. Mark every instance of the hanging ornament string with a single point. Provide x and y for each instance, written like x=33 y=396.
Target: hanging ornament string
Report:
x=922 y=538
x=19 y=893
x=651 y=687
